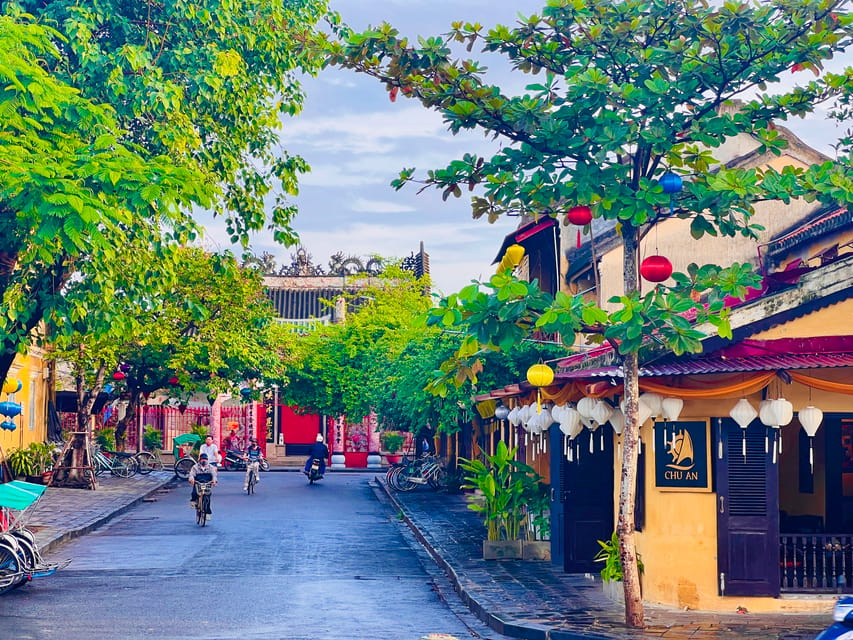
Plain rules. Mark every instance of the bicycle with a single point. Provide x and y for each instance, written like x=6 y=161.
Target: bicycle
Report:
x=149 y=461
x=202 y=505
x=121 y=465
x=406 y=475
x=252 y=473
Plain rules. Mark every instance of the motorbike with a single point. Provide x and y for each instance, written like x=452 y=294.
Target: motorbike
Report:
x=235 y=461
x=314 y=471
x=842 y=614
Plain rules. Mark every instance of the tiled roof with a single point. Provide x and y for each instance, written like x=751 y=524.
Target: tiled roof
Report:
x=722 y=364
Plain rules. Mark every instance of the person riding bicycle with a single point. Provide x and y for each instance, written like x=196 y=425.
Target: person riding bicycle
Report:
x=202 y=471
x=253 y=458
x=320 y=451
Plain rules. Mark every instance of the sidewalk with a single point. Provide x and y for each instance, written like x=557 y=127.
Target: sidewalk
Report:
x=63 y=514
x=538 y=601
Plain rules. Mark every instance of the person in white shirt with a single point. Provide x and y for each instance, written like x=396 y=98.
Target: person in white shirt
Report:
x=211 y=449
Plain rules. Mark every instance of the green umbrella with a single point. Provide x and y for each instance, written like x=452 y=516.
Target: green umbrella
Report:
x=19 y=495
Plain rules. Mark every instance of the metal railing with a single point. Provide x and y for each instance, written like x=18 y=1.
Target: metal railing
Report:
x=816 y=563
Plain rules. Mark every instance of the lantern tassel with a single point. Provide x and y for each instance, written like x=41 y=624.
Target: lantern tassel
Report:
x=579 y=238
x=538 y=400
x=743 y=445
x=811 y=455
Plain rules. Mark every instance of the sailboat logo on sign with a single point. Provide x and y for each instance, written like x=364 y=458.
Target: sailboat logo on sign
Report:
x=681 y=450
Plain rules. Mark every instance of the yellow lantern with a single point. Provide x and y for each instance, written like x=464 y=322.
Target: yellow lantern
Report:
x=540 y=375
x=511 y=258
x=11 y=385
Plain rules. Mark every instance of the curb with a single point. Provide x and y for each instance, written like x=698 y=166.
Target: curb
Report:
x=71 y=534
x=506 y=626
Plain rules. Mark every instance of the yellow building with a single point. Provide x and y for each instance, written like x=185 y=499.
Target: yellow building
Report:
x=31 y=424
x=757 y=514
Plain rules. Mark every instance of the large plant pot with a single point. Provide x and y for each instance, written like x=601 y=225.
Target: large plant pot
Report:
x=536 y=550
x=502 y=550
x=614 y=590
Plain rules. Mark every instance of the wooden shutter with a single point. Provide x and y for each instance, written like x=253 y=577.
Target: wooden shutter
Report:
x=747 y=514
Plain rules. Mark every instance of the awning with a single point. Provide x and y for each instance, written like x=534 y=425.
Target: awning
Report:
x=19 y=495
x=523 y=233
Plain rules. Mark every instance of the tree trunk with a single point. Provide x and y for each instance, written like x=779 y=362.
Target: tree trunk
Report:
x=634 y=617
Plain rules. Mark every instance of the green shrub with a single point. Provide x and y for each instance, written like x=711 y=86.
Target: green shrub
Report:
x=106 y=438
x=609 y=555
x=151 y=439
x=392 y=441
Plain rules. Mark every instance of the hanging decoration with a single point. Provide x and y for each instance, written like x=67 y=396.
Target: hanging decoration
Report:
x=119 y=375
x=601 y=414
x=581 y=216
x=765 y=414
x=501 y=412
x=174 y=381
x=810 y=417
x=670 y=410
x=671 y=182
x=12 y=385
x=655 y=268
x=617 y=421
x=540 y=375
x=783 y=413
x=743 y=413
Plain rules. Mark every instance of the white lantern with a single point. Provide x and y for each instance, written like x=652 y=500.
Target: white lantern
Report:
x=743 y=413
x=617 y=421
x=557 y=412
x=671 y=408
x=783 y=412
x=654 y=402
x=545 y=419
x=513 y=417
x=585 y=407
x=643 y=411
x=601 y=412
x=570 y=419
x=810 y=417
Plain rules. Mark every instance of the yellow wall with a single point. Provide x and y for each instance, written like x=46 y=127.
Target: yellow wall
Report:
x=32 y=422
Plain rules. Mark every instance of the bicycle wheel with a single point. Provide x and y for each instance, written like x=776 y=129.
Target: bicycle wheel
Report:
x=183 y=466
x=250 y=486
x=205 y=508
x=403 y=479
x=200 y=514
x=265 y=465
x=10 y=570
x=146 y=462
x=123 y=467
x=438 y=478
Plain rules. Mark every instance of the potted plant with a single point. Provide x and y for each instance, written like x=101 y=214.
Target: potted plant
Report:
x=502 y=485
x=33 y=462
x=392 y=442
x=537 y=546
x=611 y=574
x=152 y=439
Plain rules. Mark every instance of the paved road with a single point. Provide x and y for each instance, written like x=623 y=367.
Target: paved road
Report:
x=294 y=561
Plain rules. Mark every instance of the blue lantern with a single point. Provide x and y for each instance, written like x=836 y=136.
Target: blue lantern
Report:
x=246 y=391
x=8 y=425
x=671 y=182
x=10 y=409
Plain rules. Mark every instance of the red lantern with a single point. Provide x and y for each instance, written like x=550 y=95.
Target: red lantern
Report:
x=580 y=215
x=173 y=381
x=656 y=268
x=118 y=375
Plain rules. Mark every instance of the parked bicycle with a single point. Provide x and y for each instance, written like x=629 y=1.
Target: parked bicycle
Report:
x=149 y=461
x=119 y=464
x=411 y=473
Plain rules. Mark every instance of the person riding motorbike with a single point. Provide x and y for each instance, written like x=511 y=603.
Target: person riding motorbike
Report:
x=253 y=458
x=320 y=451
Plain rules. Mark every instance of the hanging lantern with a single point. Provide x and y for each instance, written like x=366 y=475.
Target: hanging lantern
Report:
x=570 y=421
x=119 y=375
x=671 y=182
x=655 y=268
x=174 y=381
x=655 y=403
x=643 y=411
x=511 y=258
x=513 y=417
x=540 y=375
x=10 y=409
x=12 y=385
x=586 y=406
x=743 y=413
x=501 y=412
x=810 y=417
x=581 y=216
x=671 y=408
x=766 y=415
x=601 y=412
x=617 y=421
x=8 y=425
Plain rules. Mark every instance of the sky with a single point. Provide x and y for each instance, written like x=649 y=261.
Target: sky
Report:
x=357 y=141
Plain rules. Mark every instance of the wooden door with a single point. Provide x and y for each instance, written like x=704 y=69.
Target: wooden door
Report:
x=589 y=500
x=558 y=496
x=747 y=513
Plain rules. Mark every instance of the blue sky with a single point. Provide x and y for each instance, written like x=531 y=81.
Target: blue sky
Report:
x=356 y=141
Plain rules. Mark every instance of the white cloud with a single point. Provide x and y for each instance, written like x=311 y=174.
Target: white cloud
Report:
x=362 y=205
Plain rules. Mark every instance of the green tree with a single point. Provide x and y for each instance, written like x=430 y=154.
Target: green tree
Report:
x=71 y=192
x=626 y=91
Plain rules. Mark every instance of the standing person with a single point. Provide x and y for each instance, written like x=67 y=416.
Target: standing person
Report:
x=320 y=451
x=202 y=471
x=253 y=461
x=425 y=441
x=211 y=449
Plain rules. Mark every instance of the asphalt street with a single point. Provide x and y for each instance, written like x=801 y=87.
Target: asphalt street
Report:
x=328 y=561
